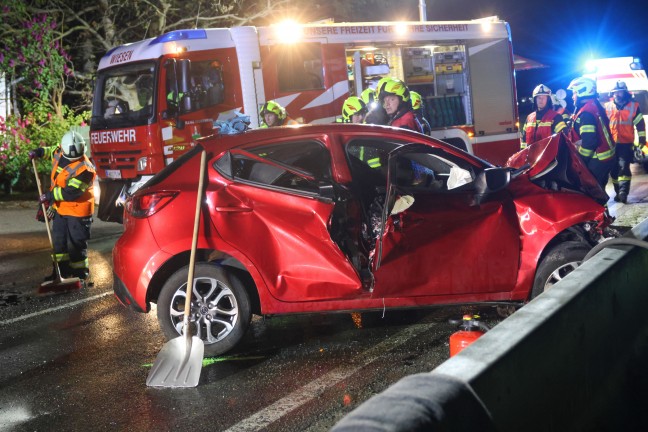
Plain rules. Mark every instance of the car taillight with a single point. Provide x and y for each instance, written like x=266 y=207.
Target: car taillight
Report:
x=147 y=204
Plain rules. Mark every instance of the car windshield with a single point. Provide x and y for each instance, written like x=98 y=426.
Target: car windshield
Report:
x=124 y=96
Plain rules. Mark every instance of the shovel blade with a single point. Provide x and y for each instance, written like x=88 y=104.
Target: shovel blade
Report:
x=178 y=364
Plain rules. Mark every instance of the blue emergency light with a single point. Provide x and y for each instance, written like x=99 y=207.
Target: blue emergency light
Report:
x=178 y=35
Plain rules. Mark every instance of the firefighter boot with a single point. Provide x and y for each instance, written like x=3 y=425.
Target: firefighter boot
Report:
x=64 y=268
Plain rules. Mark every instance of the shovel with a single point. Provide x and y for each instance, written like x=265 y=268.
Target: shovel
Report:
x=59 y=283
x=180 y=362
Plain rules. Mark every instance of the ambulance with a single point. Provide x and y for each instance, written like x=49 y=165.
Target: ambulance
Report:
x=155 y=97
x=607 y=71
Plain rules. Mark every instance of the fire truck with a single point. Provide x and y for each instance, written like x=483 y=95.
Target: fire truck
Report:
x=155 y=97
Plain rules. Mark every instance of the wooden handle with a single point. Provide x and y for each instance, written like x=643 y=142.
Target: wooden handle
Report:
x=40 y=192
x=194 y=241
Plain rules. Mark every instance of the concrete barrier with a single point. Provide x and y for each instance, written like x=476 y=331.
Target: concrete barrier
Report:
x=575 y=358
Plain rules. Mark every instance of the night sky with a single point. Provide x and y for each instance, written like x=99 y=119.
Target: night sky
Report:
x=560 y=34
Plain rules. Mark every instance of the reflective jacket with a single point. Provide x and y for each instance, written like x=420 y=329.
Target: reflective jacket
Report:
x=593 y=131
x=623 y=121
x=406 y=119
x=534 y=130
x=66 y=183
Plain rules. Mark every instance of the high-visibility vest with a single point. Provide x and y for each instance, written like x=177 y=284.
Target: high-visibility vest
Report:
x=537 y=130
x=605 y=146
x=622 y=121
x=83 y=206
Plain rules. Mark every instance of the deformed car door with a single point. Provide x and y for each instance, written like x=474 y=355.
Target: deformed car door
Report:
x=441 y=240
x=275 y=213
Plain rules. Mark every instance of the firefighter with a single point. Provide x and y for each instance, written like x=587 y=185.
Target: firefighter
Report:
x=591 y=131
x=625 y=115
x=71 y=195
x=354 y=110
x=394 y=96
x=544 y=121
x=273 y=114
x=417 y=106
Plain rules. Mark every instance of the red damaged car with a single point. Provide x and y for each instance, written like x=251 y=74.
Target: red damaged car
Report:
x=342 y=217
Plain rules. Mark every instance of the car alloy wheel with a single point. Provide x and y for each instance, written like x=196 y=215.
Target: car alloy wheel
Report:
x=220 y=307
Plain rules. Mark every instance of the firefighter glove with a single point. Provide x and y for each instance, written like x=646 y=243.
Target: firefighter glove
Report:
x=46 y=198
x=36 y=153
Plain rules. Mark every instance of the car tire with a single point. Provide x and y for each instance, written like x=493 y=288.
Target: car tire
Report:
x=558 y=263
x=220 y=325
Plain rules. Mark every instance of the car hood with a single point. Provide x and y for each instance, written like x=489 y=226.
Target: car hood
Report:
x=554 y=163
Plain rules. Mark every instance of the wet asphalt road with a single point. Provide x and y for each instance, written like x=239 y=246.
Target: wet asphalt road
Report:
x=79 y=361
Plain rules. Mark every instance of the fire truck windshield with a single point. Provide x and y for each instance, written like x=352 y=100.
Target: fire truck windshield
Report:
x=124 y=96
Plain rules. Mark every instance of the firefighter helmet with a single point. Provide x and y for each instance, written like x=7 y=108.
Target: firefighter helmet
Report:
x=381 y=83
x=72 y=145
x=619 y=86
x=353 y=105
x=395 y=87
x=417 y=101
x=583 y=87
x=273 y=107
x=541 y=89
x=368 y=95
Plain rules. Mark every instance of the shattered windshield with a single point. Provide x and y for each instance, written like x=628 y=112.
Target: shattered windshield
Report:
x=124 y=96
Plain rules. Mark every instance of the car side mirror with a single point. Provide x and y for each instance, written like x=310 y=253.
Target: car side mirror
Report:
x=489 y=181
x=326 y=190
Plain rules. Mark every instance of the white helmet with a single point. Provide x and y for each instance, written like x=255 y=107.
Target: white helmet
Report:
x=541 y=89
x=583 y=87
x=73 y=145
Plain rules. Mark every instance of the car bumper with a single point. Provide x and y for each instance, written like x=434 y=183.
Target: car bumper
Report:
x=124 y=296
x=136 y=259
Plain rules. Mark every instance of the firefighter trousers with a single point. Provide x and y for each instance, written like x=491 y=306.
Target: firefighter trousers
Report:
x=601 y=170
x=620 y=174
x=70 y=235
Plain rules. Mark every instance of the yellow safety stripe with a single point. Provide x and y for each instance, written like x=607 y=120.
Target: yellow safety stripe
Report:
x=625 y=178
x=58 y=193
x=61 y=257
x=374 y=162
x=560 y=126
x=614 y=181
x=605 y=155
x=76 y=183
x=587 y=128
x=638 y=118
x=80 y=264
x=523 y=145
x=362 y=153
x=585 y=152
x=642 y=133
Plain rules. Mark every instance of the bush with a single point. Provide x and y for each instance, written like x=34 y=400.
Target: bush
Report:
x=20 y=135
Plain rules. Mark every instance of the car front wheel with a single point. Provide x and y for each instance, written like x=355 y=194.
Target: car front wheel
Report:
x=220 y=307
x=558 y=263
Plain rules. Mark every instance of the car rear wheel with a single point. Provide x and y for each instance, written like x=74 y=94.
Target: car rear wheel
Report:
x=220 y=307
x=557 y=264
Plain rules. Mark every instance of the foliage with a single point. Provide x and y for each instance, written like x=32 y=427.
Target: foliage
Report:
x=32 y=54
x=20 y=135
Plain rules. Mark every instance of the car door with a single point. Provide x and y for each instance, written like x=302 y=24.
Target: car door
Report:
x=443 y=240
x=276 y=212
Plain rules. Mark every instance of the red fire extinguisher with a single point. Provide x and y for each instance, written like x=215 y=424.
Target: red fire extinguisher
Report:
x=470 y=330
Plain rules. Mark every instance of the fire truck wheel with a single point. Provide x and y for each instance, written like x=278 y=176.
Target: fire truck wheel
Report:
x=558 y=263
x=220 y=307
